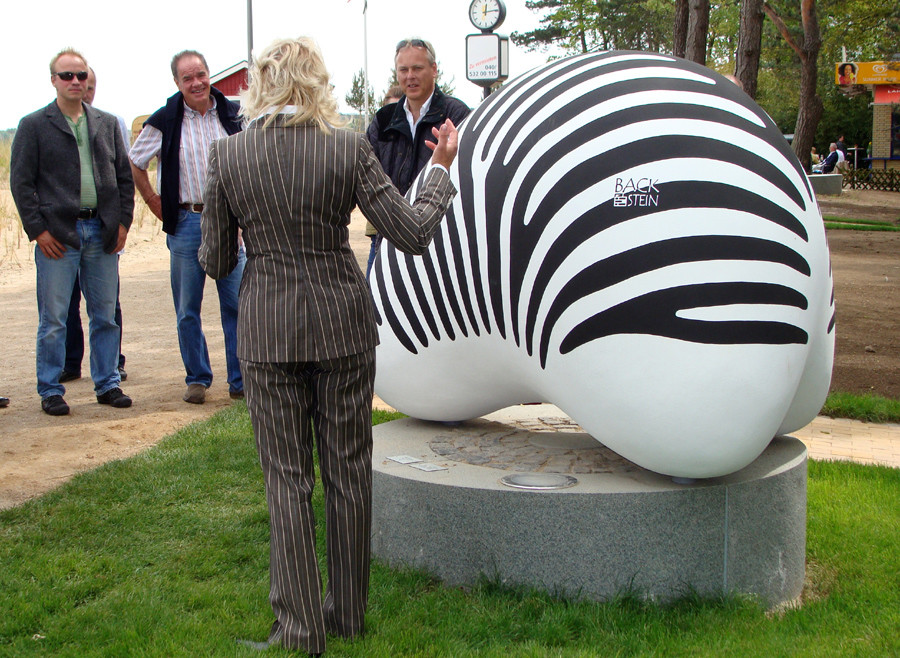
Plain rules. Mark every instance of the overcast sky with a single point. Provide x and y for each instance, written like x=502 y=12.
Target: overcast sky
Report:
x=130 y=45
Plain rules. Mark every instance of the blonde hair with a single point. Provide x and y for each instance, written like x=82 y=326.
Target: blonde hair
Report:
x=66 y=51
x=291 y=72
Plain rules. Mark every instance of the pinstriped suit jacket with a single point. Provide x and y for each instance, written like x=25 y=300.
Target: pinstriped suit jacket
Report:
x=291 y=189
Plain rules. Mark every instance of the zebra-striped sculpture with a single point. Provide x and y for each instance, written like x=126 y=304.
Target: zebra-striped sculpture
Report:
x=633 y=241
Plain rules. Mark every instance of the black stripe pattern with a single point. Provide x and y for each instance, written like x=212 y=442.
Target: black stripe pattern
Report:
x=611 y=193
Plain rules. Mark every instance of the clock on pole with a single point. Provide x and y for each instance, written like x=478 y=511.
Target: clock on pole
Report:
x=487 y=14
x=487 y=54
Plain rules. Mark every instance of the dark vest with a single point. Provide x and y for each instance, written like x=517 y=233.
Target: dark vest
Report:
x=167 y=120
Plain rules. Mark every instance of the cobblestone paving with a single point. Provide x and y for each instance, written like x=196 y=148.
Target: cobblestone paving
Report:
x=540 y=445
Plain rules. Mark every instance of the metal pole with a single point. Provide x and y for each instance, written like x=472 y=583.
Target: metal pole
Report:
x=249 y=32
x=366 y=61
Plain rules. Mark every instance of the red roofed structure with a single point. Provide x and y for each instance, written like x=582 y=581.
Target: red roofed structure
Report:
x=231 y=80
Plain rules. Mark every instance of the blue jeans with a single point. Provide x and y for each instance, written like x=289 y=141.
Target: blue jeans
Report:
x=373 y=249
x=188 y=279
x=98 y=272
x=75 y=332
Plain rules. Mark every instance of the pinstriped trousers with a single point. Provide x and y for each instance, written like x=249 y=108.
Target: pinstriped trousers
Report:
x=290 y=404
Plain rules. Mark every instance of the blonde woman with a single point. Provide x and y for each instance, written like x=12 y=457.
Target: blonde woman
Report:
x=306 y=327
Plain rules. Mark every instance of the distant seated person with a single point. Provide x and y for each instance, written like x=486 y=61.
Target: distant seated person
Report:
x=814 y=156
x=831 y=161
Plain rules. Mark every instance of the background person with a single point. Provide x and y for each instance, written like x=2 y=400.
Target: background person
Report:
x=179 y=135
x=831 y=160
x=307 y=332
x=74 y=330
x=399 y=131
x=841 y=146
x=394 y=94
x=842 y=158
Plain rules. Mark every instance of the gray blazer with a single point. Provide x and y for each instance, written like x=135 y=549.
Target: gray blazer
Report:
x=45 y=175
x=291 y=191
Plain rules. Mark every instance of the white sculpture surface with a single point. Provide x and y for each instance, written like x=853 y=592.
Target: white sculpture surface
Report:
x=633 y=241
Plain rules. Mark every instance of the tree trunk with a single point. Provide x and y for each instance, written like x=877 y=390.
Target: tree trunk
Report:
x=746 y=67
x=679 y=34
x=698 y=28
x=810 y=111
x=808 y=115
x=811 y=107
x=581 y=29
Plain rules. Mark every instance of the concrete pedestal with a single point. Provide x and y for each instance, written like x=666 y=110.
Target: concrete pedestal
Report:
x=619 y=527
x=832 y=184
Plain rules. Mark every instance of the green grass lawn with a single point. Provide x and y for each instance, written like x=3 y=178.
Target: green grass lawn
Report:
x=858 y=224
x=869 y=408
x=166 y=554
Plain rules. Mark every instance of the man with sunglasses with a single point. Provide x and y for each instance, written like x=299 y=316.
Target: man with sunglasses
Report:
x=71 y=181
x=74 y=330
x=399 y=130
x=179 y=135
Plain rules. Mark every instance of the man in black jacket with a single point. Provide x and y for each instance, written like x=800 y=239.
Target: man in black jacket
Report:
x=831 y=160
x=70 y=179
x=179 y=135
x=398 y=131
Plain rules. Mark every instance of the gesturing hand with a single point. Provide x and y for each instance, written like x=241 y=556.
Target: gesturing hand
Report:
x=447 y=144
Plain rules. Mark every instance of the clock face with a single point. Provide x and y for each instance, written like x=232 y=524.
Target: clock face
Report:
x=487 y=14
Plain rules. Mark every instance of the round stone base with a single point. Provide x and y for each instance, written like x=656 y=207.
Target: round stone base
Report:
x=447 y=499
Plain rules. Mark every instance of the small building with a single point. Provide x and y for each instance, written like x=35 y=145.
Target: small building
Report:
x=231 y=80
x=886 y=127
x=882 y=80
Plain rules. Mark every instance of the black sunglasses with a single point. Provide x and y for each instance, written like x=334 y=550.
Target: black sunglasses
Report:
x=68 y=75
x=415 y=43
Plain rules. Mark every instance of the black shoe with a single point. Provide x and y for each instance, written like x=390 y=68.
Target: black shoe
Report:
x=55 y=405
x=69 y=376
x=115 y=397
x=122 y=374
x=236 y=395
x=4 y=402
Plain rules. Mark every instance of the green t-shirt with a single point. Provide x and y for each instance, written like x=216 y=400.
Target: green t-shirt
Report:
x=88 y=189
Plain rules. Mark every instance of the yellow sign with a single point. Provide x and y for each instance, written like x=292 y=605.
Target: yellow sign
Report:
x=867 y=73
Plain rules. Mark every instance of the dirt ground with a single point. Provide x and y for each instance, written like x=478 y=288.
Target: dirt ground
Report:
x=866 y=266
x=39 y=452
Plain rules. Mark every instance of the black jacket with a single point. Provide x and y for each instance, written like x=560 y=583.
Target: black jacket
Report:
x=45 y=175
x=830 y=162
x=401 y=155
x=168 y=120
